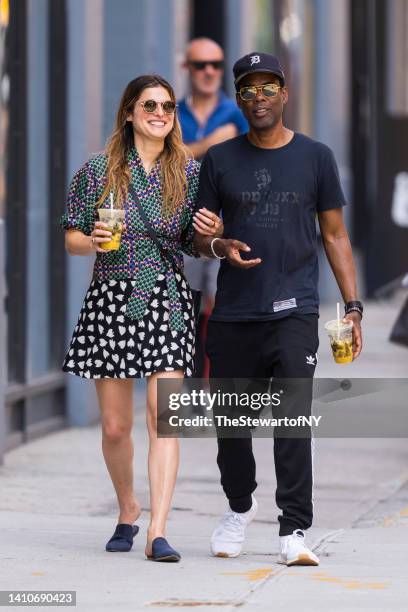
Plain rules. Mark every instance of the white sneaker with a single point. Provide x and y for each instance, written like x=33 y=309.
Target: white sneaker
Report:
x=228 y=539
x=294 y=552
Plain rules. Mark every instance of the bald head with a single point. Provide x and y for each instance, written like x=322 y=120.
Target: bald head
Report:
x=204 y=61
x=201 y=49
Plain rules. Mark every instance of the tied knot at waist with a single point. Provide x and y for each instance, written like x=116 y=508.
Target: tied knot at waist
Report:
x=146 y=277
x=169 y=250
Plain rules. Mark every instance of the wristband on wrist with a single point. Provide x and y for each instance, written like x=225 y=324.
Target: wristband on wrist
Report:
x=354 y=306
x=212 y=249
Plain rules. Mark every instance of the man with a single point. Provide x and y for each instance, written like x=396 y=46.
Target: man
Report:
x=269 y=185
x=207 y=117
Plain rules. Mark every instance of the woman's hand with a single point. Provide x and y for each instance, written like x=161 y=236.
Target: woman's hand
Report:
x=208 y=223
x=78 y=243
x=100 y=234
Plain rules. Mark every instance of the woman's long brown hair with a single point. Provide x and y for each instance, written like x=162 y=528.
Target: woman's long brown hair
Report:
x=173 y=159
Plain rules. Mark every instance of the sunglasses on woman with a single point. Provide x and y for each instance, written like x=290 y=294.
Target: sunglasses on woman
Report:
x=150 y=106
x=269 y=90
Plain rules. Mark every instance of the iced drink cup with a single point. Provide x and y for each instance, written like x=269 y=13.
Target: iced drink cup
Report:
x=341 y=340
x=114 y=218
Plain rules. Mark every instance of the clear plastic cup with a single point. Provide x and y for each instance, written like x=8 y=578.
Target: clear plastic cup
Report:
x=114 y=218
x=341 y=340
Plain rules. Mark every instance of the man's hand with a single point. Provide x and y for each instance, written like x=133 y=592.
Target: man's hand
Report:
x=231 y=250
x=357 y=335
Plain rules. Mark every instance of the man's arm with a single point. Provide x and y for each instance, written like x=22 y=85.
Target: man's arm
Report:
x=338 y=250
x=337 y=246
x=225 y=132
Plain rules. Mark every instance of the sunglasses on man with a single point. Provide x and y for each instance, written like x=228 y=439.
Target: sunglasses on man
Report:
x=268 y=90
x=216 y=64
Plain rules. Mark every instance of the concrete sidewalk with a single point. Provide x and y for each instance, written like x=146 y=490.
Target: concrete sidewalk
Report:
x=57 y=509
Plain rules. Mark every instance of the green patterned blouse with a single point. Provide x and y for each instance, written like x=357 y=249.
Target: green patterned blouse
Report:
x=138 y=257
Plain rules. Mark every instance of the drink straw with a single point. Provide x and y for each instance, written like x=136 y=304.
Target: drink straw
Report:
x=111 y=201
x=338 y=320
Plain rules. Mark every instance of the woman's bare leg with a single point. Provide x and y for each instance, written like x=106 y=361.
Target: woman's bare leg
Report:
x=163 y=461
x=116 y=405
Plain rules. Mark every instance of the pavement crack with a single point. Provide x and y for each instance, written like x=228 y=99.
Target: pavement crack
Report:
x=373 y=514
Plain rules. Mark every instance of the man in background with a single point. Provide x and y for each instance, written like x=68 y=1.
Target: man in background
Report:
x=207 y=117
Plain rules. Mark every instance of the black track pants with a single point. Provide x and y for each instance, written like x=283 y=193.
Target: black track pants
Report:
x=284 y=348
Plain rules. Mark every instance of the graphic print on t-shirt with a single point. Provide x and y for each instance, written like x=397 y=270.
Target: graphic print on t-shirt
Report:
x=264 y=207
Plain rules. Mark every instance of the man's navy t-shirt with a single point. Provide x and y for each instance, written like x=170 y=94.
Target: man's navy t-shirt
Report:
x=269 y=199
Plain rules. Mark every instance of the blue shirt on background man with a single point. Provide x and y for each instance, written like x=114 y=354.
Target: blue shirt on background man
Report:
x=225 y=112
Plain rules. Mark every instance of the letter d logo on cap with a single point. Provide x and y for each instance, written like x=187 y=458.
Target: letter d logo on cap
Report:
x=255 y=59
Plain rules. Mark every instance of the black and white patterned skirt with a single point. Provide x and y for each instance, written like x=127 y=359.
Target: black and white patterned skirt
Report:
x=107 y=344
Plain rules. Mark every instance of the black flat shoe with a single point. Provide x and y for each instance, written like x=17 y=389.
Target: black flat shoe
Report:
x=122 y=539
x=162 y=551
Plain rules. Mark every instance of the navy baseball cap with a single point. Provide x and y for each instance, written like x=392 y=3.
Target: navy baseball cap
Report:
x=257 y=62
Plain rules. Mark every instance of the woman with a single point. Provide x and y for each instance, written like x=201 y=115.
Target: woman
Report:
x=137 y=317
